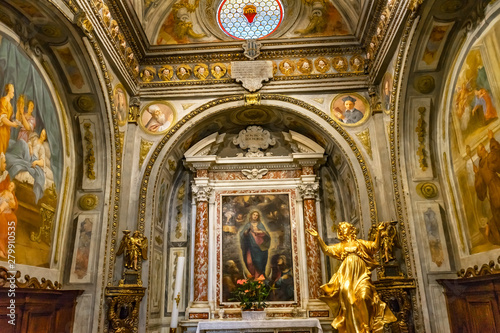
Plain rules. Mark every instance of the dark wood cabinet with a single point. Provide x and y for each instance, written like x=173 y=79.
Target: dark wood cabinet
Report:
x=39 y=311
x=473 y=304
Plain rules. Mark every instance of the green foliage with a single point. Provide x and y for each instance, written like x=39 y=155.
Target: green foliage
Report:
x=251 y=293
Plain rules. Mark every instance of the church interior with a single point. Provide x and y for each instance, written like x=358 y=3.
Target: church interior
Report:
x=155 y=155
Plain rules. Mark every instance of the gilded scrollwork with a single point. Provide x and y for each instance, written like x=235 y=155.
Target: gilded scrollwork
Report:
x=485 y=269
x=89 y=150
x=364 y=138
x=421 y=134
x=144 y=150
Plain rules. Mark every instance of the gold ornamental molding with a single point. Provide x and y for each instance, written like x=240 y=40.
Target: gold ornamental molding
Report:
x=7 y=278
x=89 y=150
x=486 y=269
x=88 y=201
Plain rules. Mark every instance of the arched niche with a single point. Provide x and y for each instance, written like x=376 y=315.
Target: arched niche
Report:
x=211 y=129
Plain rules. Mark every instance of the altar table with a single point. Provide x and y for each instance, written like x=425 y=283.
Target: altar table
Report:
x=310 y=325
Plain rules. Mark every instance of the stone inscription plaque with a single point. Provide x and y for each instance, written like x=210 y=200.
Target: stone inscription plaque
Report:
x=251 y=74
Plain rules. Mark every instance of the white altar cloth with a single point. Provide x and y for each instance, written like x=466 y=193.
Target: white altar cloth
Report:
x=275 y=325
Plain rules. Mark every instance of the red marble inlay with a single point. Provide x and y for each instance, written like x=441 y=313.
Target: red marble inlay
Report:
x=312 y=249
x=324 y=313
x=198 y=315
x=308 y=170
x=201 y=252
x=202 y=173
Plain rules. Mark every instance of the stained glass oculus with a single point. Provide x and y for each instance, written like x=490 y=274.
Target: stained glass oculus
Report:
x=250 y=19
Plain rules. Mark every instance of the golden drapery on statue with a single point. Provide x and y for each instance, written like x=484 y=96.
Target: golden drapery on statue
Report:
x=350 y=293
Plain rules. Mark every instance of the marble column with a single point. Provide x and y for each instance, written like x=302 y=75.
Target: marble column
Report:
x=308 y=191
x=201 y=193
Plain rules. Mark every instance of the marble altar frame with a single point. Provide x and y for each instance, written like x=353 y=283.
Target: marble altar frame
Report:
x=292 y=197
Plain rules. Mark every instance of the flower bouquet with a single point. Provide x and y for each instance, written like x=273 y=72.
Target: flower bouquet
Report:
x=252 y=293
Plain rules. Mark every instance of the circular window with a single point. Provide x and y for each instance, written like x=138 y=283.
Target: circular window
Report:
x=247 y=19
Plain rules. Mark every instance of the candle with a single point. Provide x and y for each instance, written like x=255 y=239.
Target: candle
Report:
x=177 y=292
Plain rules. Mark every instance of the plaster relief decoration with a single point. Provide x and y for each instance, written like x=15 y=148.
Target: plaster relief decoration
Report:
x=156 y=288
x=180 y=213
x=82 y=264
x=91 y=178
x=31 y=175
x=434 y=42
x=254 y=139
x=474 y=132
x=421 y=109
x=245 y=218
x=350 y=109
x=364 y=138
x=144 y=150
x=251 y=74
x=329 y=205
x=175 y=253
x=254 y=173
x=72 y=69
x=157 y=117
x=431 y=228
x=161 y=206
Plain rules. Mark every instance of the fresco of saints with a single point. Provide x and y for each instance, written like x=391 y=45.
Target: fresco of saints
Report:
x=159 y=121
x=487 y=184
x=5 y=115
x=27 y=121
x=255 y=242
x=350 y=115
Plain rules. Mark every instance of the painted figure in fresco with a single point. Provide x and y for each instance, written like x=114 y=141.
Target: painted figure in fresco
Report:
x=483 y=101
x=435 y=39
x=158 y=121
x=281 y=279
x=34 y=158
x=83 y=252
x=387 y=94
x=7 y=188
x=5 y=114
x=27 y=120
x=255 y=242
x=231 y=275
x=121 y=105
x=351 y=115
x=317 y=23
x=431 y=225
x=350 y=293
x=487 y=183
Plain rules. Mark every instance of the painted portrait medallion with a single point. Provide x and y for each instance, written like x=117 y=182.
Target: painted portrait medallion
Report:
x=350 y=109
x=157 y=117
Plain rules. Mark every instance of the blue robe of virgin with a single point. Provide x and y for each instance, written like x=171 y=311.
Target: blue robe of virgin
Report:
x=258 y=252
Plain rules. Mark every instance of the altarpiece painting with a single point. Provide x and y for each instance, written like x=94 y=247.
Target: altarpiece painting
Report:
x=257 y=237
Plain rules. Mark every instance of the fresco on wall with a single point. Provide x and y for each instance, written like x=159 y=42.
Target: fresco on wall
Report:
x=323 y=21
x=121 y=104
x=72 y=69
x=350 y=109
x=31 y=157
x=256 y=240
x=157 y=118
x=434 y=45
x=475 y=149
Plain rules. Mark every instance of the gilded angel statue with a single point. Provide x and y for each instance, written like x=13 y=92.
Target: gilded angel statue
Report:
x=350 y=293
x=135 y=247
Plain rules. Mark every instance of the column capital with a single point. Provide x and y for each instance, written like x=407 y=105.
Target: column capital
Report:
x=201 y=192
x=309 y=190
